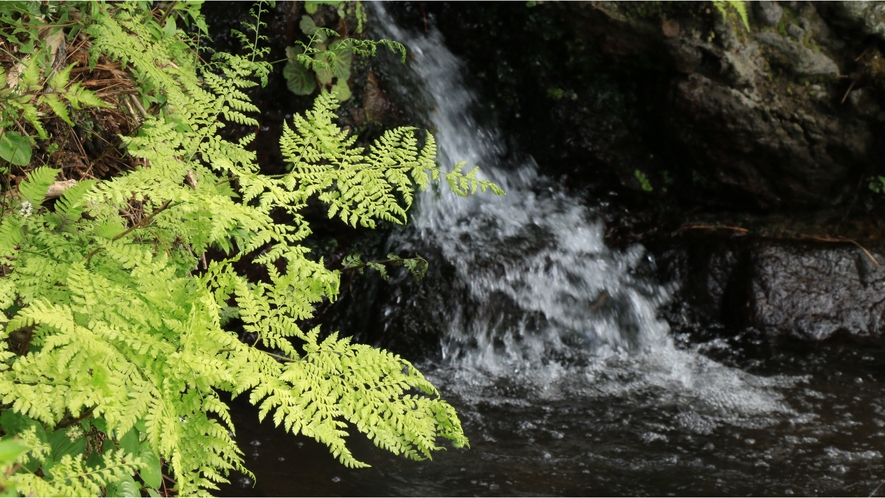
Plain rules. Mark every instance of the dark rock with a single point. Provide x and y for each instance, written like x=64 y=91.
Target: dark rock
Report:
x=709 y=274
x=781 y=288
x=768 y=13
x=801 y=60
x=816 y=292
x=864 y=104
x=727 y=114
x=866 y=17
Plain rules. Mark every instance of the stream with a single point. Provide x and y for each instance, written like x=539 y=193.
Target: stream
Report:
x=566 y=379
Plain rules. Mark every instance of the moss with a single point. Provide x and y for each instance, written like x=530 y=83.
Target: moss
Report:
x=642 y=10
x=782 y=28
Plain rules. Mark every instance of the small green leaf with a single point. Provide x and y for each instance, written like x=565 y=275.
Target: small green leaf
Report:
x=95 y=459
x=323 y=72
x=47 y=468
x=108 y=445
x=299 y=79
x=124 y=487
x=57 y=107
x=341 y=58
x=129 y=442
x=379 y=268
x=341 y=90
x=14 y=423
x=34 y=188
x=26 y=48
x=169 y=29
x=77 y=95
x=60 y=79
x=15 y=148
x=308 y=27
x=10 y=450
x=110 y=229
x=151 y=472
x=100 y=424
x=30 y=77
x=67 y=441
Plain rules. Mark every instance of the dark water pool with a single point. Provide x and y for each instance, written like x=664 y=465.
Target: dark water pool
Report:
x=784 y=419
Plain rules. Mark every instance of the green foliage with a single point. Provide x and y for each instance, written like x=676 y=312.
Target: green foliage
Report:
x=36 y=83
x=417 y=266
x=344 y=9
x=251 y=42
x=114 y=341
x=643 y=180
x=15 y=148
x=739 y=6
x=326 y=62
x=10 y=450
x=362 y=188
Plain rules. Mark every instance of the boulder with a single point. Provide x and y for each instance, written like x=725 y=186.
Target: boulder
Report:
x=768 y=13
x=802 y=290
x=815 y=292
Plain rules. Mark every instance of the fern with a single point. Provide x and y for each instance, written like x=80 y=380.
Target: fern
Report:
x=121 y=339
x=739 y=6
x=34 y=188
x=360 y=188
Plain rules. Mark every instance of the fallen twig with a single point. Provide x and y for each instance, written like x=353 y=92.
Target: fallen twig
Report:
x=842 y=239
x=719 y=227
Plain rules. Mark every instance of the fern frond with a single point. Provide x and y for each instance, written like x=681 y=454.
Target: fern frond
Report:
x=75 y=478
x=70 y=206
x=123 y=331
x=738 y=5
x=34 y=188
x=11 y=234
x=366 y=387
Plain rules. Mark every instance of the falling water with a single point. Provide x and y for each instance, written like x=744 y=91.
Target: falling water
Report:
x=549 y=303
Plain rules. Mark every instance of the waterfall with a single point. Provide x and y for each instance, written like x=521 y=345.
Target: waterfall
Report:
x=548 y=304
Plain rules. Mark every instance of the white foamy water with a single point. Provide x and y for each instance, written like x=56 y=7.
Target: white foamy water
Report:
x=550 y=306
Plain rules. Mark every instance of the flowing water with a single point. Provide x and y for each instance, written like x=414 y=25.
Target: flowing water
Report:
x=565 y=378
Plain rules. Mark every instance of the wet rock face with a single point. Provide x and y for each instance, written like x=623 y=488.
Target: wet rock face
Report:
x=761 y=113
x=816 y=292
x=768 y=13
x=867 y=17
x=724 y=117
x=780 y=288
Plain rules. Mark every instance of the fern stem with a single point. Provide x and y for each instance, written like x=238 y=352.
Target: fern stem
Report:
x=142 y=223
x=257 y=28
x=71 y=422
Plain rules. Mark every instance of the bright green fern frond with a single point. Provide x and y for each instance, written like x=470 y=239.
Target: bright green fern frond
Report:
x=465 y=185
x=362 y=189
x=71 y=204
x=75 y=478
x=34 y=188
x=738 y=5
x=11 y=233
x=369 y=388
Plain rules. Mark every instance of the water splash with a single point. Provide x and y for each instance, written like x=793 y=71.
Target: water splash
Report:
x=548 y=304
